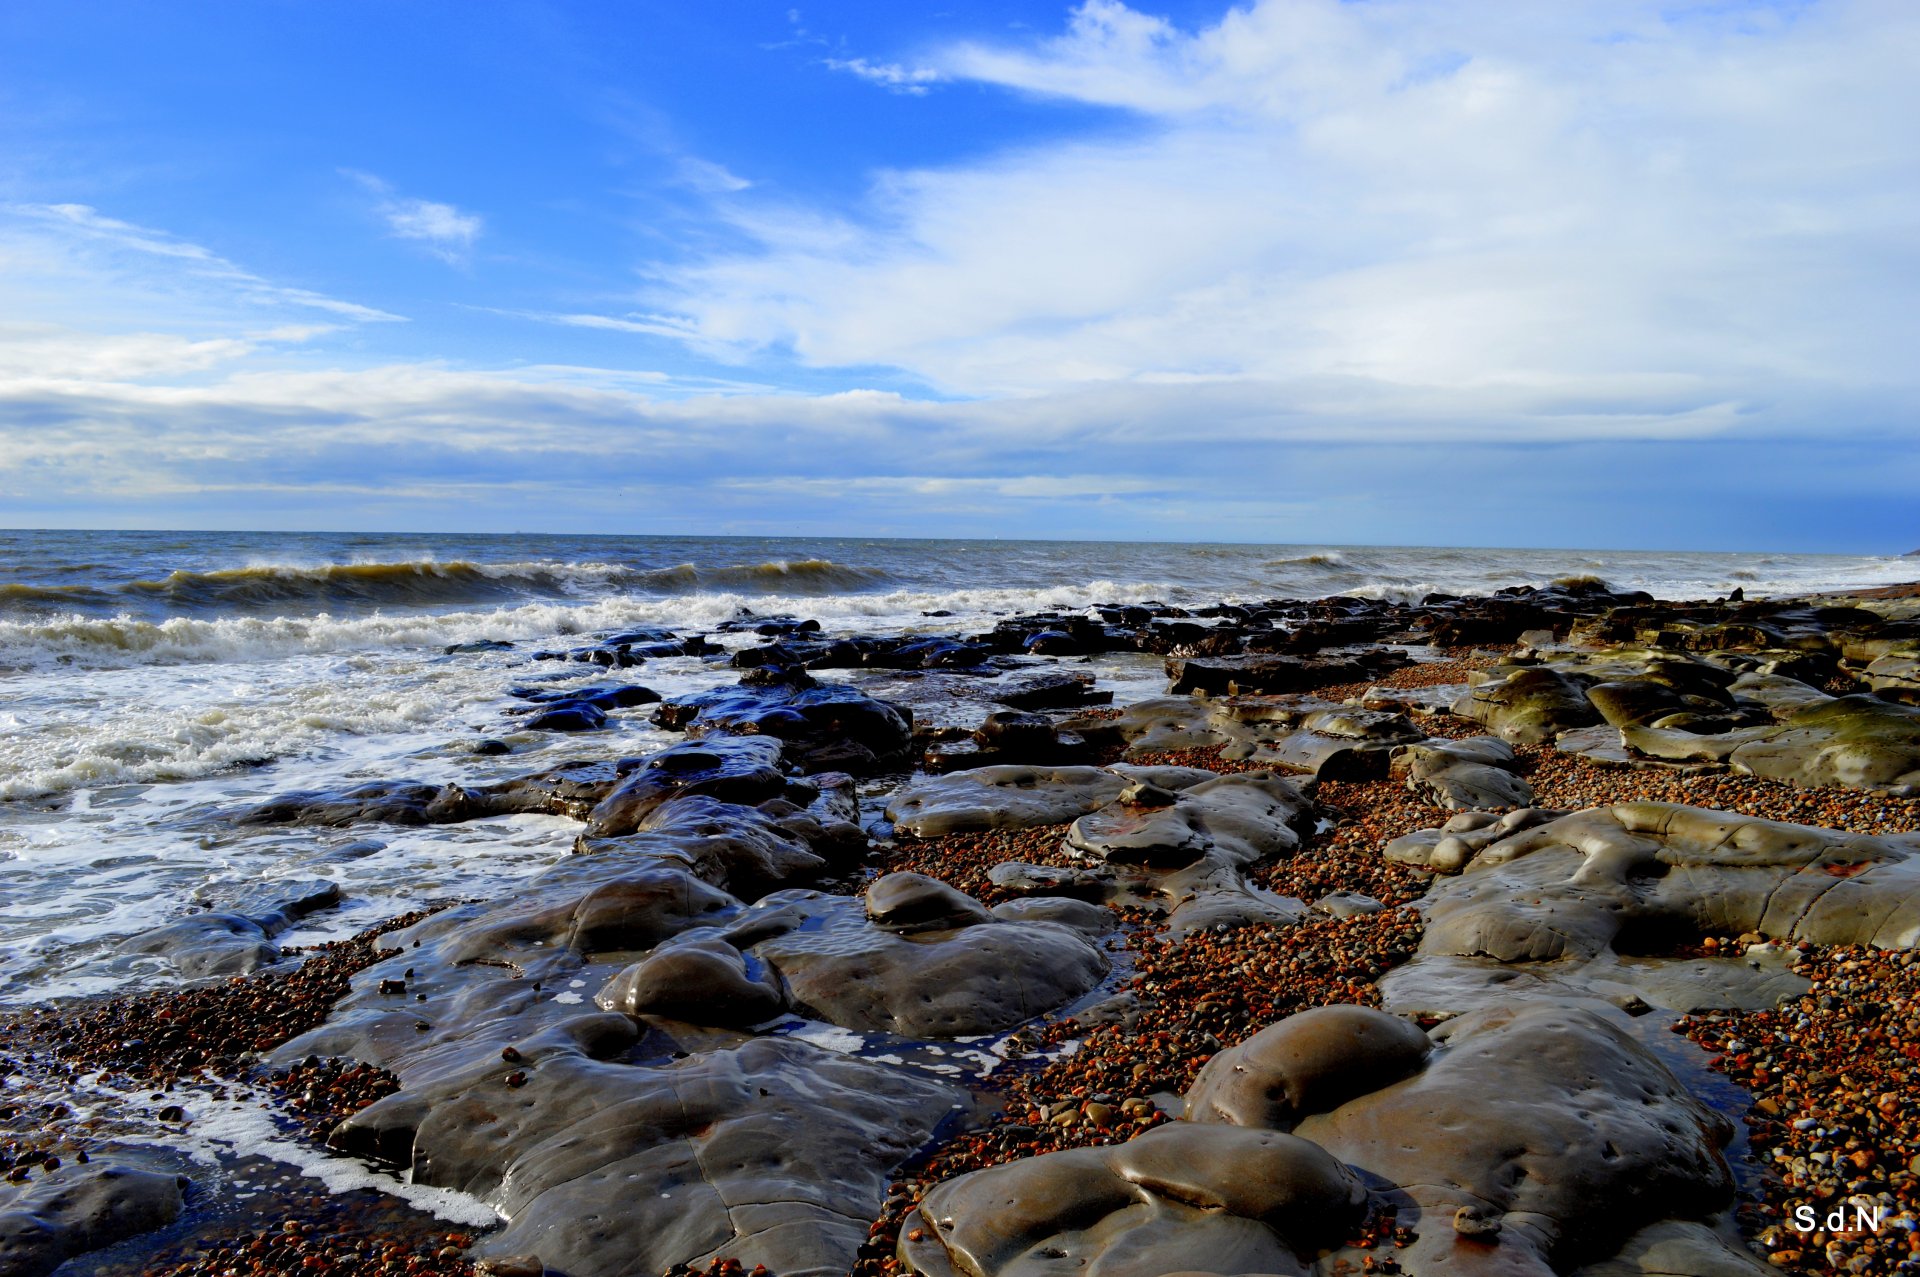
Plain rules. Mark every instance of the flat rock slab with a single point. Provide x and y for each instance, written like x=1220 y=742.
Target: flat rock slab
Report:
x=1639 y=872
x=1016 y=797
x=236 y=941
x=774 y=1152
x=1234 y=820
x=1228 y=675
x=922 y=971
x=79 y=1208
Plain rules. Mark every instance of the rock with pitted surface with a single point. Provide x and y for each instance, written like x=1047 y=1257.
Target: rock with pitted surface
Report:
x=81 y=1207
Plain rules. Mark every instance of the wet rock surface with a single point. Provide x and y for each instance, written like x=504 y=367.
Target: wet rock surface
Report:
x=82 y=1208
x=1343 y=956
x=232 y=942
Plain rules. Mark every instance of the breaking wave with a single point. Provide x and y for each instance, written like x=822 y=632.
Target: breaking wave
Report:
x=330 y=587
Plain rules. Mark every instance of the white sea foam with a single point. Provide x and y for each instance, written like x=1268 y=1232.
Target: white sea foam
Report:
x=239 y=1124
x=74 y=640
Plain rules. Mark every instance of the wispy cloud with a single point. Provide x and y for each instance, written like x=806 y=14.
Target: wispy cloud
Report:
x=50 y=353
x=633 y=322
x=441 y=229
x=892 y=76
x=72 y=226
x=709 y=178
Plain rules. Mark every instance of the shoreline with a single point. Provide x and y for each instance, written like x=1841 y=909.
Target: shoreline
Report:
x=1232 y=922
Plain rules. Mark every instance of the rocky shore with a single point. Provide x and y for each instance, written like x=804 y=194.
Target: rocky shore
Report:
x=1559 y=931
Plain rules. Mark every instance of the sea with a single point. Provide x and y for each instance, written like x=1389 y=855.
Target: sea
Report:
x=153 y=683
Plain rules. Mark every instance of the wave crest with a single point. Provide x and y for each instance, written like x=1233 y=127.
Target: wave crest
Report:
x=282 y=588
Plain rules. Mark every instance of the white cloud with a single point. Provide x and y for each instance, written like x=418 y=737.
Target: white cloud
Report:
x=709 y=178
x=1394 y=217
x=58 y=244
x=52 y=352
x=891 y=76
x=441 y=229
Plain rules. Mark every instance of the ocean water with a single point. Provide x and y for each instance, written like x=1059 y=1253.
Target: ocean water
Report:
x=152 y=682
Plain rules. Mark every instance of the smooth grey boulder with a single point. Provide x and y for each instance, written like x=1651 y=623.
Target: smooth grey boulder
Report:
x=933 y=963
x=1477 y=773
x=1516 y=1142
x=1449 y=848
x=702 y=981
x=734 y=769
x=903 y=902
x=1346 y=904
x=476 y=977
x=1682 y=1248
x=82 y=1207
x=1895 y=677
x=1858 y=741
x=1233 y=820
x=1180 y=1199
x=1090 y=920
x=1307 y=735
x=1229 y=907
x=1528 y=704
x=820 y=727
x=743 y=849
x=1551 y=1124
x=1166 y=724
x=1308 y=1063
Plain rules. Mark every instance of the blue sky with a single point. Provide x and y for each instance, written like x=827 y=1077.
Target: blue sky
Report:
x=1639 y=275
